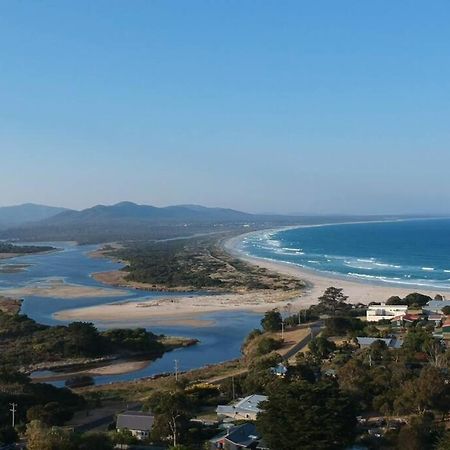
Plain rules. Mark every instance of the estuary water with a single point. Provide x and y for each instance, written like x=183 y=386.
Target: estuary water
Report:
x=405 y=253
x=72 y=264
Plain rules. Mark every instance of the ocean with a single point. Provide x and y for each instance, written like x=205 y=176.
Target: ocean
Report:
x=405 y=253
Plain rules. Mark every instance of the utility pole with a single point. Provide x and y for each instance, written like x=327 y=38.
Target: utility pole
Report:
x=176 y=369
x=13 y=413
x=233 y=387
x=282 y=329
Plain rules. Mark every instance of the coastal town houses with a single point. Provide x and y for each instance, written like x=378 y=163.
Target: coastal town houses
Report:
x=138 y=423
x=408 y=318
x=436 y=306
x=237 y=438
x=245 y=409
x=375 y=313
x=366 y=342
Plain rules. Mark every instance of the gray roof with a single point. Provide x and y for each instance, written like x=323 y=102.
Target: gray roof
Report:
x=245 y=434
x=246 y=405
x=135 y=420
x=390 y=342
x=436 y=305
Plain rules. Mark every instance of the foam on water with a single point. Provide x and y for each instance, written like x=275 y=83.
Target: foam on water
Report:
x=415 y=252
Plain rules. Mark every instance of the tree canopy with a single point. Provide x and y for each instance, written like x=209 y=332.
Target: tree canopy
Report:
x=301 y=415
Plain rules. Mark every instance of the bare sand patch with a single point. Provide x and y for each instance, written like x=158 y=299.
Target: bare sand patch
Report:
x=183 y=310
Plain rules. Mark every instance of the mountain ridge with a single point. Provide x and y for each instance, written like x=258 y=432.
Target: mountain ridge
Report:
x=17 y=215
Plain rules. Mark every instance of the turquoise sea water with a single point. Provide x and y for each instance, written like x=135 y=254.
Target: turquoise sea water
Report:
x=413 y=252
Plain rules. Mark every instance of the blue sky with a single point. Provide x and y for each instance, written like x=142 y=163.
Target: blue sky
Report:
x=281 y=106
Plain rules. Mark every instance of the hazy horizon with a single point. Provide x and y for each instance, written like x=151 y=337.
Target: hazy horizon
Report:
x=292 y=107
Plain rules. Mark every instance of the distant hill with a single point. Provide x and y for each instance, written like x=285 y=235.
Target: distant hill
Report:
x=128 y=221
x=128 y=211
x=13 y=216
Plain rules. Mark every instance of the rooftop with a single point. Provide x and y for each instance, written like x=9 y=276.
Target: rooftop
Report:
x=390 y=342
x=246 y=405
x=135 y=420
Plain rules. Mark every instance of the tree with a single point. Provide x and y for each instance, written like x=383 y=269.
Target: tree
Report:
x=51 y=413
x=173 y=411
x=267 y=345
x=418 y=339
x=272 y=321
x=444 y=442
x=301 y=415
x=320 y=347
x=427 y=392
x=83 y=339
x=95 y=441
x=40 y=437
x=332 y=300
x=340 y=326
x=354 y=378
x=416 y=299
x=419 y=434
x=395 y=300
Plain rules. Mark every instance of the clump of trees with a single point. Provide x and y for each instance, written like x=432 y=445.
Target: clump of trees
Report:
x=272 y=321
x=42 y=437
x=7 y=247
x=304 y=415
x=413 y=300
x=24 y=342
x=40 y=401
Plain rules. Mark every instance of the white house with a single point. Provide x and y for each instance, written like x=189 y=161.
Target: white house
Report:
x=245 y=409
x=137 y=422
x=380 y=312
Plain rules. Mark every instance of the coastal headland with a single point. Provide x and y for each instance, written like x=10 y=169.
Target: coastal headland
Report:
x=287 y=286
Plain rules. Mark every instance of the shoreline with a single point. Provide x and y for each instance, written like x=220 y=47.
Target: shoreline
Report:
x=359 y=291
x=184 y=310
x=187 y=309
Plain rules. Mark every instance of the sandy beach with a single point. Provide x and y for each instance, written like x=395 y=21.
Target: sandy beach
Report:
x=187 y=310
x=180 y=310
x=357 y=291
x=115 y=368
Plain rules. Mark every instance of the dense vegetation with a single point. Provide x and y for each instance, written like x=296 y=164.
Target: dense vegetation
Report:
x=401 y=396
x=6 y=247
x=414 y=299
x=51 y=404
x=196 y=263
x=24 y=342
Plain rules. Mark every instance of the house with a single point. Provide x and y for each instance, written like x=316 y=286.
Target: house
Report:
x=139 y=423
x=407 y=319
x=238 y=438
x=280 y=370
x=365 y=342
x=245 y=409
x=437 y=318
x=376 y=313
x=435 y=306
